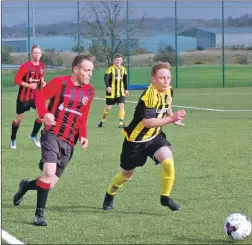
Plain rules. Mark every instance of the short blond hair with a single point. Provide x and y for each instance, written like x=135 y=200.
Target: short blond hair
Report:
x=158 y=66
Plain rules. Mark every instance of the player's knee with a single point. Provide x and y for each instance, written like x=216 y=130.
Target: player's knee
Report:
x=19 y=118
x=121 y=106
x=127 y=174
x=49 y=171
x=168 y=165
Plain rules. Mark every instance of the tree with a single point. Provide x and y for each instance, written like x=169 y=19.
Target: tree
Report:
x=105 y=24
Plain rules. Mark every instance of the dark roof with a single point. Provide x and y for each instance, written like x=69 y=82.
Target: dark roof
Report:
x=216 y=30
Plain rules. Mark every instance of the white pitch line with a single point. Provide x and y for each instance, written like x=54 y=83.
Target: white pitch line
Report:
x=9 y=239
x=194 y=108
x=181 y=106
x=209 y=94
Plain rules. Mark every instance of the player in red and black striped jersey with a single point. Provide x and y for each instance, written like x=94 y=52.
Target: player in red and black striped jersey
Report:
x=30 y=78
x=65 y=121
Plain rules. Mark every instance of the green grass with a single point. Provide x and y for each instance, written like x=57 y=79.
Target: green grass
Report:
x=213 y=177
x=200 y=76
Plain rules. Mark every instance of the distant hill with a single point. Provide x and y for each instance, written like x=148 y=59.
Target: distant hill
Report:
x=150 y=26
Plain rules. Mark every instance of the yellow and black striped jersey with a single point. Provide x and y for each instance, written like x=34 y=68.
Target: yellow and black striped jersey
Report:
x=116 y=78
x=152 y=104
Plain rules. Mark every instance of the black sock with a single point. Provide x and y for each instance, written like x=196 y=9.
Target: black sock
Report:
x=31 y=185
x=14 y=130
x=36 y=127
x=42 y=194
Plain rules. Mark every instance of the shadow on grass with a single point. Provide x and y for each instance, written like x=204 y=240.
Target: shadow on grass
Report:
x=81 y=209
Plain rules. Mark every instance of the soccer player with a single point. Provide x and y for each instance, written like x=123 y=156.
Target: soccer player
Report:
x=65 y=121
x=144 y=136
x=30 y=78
x=116 y=89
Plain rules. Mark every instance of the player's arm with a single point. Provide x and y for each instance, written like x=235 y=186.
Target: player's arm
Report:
x=83 y=124
x=49 y=91
x=170 y=113
x=149 y=102
x=43 y=82
x=125 y=83
x=107 y=79
x=151 y=122
x=22 y=71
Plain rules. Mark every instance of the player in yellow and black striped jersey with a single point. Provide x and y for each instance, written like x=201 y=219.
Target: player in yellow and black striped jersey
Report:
x=116 y=89
x=144 y=136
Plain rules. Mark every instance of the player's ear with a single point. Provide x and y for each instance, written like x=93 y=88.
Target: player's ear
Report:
x=75 y=69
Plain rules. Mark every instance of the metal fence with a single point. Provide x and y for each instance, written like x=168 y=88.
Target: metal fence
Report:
x=209 y=44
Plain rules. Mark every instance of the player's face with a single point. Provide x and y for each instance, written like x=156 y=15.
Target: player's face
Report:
x=36 y=54
x=84 y=72
x=162 y=79
x=118 y=61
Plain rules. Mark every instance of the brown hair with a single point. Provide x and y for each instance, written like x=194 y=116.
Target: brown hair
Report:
x=80 y=58
x=35 y=46
x=160 y=65
x=118 y=55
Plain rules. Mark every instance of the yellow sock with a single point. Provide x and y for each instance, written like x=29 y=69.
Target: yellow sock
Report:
x=167 y=176
x=121 y=114
x=104 y=115
x=117 y=182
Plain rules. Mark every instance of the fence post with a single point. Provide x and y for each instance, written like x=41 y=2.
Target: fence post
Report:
x=176 y=44
x=223 y=45
x=78 y=25
x=128 y=41
x=28 y=12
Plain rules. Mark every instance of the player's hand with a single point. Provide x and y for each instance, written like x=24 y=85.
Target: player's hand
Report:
x=83 y=142
x=43 y=84
x=33 y=85
x=109 y=90
x=178 y=116
x=126 y=92
x=179 y=123
x=49 y=119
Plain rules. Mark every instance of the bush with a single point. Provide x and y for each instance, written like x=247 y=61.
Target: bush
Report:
x=200 y=48
x=241 y=59
x=139 y=51
x=76 y=49
x=166 y=54
x=52 y=58
x=98 y=51
x=6 y=57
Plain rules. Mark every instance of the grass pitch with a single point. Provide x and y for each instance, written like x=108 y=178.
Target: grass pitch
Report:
x=213 y=177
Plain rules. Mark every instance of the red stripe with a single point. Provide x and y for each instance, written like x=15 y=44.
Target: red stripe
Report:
x=42 y=184
x=15 y=123
x=72 y=115
x=61 y=115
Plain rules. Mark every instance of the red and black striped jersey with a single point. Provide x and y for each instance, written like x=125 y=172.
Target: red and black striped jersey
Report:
x=29 y=73
x=70 y=105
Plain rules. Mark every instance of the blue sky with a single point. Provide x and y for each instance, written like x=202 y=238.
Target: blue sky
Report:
x=52 y=12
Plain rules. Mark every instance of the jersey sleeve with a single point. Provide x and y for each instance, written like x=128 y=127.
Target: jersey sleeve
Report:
x=109 y=70
x=42 y=70
x=20 y=74
x=149 y=100
x=50 y=90
x=83 y=121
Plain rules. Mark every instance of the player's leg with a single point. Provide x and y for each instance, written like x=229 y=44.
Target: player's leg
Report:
x=36 y=127
x=109 y=104
x=164 y=156
x=20 y=109
x=117 y=182
x=129 y=162
x=121 y=111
